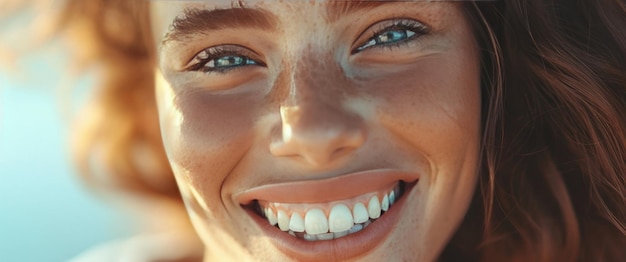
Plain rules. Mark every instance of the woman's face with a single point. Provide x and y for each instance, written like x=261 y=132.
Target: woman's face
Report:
x=320 y=130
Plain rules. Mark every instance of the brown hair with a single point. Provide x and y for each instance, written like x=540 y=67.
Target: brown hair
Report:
x=553 y=184
x=117 y=143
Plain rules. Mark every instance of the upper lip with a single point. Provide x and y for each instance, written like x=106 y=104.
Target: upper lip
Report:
x=325 y=190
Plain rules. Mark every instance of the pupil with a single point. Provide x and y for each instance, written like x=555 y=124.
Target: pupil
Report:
x=230 y=61
x=392 y=36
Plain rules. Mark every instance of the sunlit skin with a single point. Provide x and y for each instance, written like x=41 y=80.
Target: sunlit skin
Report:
x=311 y=97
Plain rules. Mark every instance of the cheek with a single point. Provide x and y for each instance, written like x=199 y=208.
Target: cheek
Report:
x=435 y=106
x=434 y=109
x=209 y=139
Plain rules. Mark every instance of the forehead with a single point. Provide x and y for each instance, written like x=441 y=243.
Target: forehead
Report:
x=298 y=14
x=333 y=8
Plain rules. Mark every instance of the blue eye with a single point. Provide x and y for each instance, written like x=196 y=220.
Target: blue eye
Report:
x=223 y=59
x=399 y=32
x=389 y=37
x=228 y=61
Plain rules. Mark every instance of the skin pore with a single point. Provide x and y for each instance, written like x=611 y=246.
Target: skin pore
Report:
x=302 y=94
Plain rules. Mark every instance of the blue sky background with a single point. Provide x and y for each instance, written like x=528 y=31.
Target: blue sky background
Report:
x=46 y=214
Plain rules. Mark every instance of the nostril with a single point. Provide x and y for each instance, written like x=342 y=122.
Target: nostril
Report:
x=341 y=152
x=314 y=153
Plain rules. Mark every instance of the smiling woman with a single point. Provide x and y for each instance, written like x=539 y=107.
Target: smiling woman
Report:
x=367 y=130
x=310 y=107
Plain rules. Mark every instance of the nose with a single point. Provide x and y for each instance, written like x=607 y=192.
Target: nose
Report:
x=316 y=127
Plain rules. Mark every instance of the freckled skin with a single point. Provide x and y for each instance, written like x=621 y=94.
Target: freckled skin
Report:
x=413 y=108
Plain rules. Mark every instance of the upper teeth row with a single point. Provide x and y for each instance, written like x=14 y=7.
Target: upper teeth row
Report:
x=341 y=217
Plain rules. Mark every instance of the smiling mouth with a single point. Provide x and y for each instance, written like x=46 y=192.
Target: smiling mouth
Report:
x=331 y=220
x=310 y=220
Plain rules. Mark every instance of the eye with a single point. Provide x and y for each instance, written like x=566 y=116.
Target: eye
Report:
x=222 y=59
x=393 y=33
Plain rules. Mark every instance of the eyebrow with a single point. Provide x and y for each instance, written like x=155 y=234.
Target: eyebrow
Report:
x=200 y=21
x=195 y=21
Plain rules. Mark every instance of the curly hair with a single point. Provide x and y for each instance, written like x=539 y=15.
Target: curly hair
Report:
x=553 y=180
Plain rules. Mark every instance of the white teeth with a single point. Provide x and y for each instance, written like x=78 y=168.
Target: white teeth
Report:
x=296 y=224
x=385 y=204
x=355 y=228
x=360 y=213
x=308 y=237
x=315 y=222
x=326 y=236
x=341 y=234
x=271 y=217
x=373 y=208
x=340 y=218
x=283 y=220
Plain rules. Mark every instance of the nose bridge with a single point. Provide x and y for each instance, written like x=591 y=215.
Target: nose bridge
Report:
x=317 y=93
x=316 y=126
x=315 y=78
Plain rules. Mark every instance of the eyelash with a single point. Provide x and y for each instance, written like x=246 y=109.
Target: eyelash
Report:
x=214 y=53
x=418 y=29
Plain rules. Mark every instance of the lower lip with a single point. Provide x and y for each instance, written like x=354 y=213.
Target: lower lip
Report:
x=343 y=248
